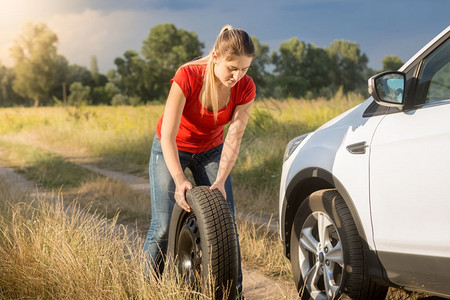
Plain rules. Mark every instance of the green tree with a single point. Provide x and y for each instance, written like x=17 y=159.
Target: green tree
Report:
x=391 y=63
x=35 y=62
x=316 y=67
x=113 y=77
x=111 y=90
x=94 y=70
x=79 y=94
x=165 y=49
x=349 y=65
x=104 y=94
x=99 y=96
x=258 y=68
x=7 y=95
x=288 y=68
x=81 y=74
x=130 y=69
x=60 y=90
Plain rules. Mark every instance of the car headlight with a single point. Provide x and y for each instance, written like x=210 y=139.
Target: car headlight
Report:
x=293 y=144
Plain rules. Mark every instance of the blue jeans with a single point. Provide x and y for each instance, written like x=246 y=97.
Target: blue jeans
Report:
x=204 y=167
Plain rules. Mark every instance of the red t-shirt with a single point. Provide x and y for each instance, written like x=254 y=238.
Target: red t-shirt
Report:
x=198 y=130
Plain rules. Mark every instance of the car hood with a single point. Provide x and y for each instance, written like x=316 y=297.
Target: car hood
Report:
x=348 y=116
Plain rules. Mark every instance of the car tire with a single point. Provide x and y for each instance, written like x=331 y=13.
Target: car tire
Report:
x=203 y=242
x=327 y=253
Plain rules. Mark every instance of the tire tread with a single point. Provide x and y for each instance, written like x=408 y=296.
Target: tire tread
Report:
x=218 y=234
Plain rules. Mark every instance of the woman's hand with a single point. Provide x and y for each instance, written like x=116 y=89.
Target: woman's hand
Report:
x=220 y=186
x=180 y=194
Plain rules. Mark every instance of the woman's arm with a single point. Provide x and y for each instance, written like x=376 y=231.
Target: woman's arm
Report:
x=232 y=144
x=169 y=129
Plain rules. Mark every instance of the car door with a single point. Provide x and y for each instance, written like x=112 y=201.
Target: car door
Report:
x=410 y=181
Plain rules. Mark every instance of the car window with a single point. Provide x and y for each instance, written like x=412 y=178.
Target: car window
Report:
x=434 y=77
x=440 y=85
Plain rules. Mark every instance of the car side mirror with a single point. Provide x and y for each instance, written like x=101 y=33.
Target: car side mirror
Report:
x=388 y=88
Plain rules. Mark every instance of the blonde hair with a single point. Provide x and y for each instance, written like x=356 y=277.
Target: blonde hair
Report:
x=230 y=42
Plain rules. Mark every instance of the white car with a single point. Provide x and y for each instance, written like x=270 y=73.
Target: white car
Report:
x=365 y=199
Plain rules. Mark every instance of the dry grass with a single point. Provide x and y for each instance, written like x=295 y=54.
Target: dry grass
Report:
x=261 y=249
x=259 y=200
x=50 y=251
x=113 y=197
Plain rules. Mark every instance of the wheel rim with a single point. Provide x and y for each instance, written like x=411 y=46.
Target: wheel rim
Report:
x=189 y=251
x=321 y=256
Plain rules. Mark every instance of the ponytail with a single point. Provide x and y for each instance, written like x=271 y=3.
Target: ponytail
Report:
x=230 y=42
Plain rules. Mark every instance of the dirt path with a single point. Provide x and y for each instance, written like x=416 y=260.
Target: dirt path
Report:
x=16 y=182
x=256 y=285
x=142 y=185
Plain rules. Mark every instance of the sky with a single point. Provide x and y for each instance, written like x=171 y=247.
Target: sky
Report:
x=107 y=28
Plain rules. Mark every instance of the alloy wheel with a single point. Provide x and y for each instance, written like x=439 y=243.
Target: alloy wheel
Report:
x=321 y=256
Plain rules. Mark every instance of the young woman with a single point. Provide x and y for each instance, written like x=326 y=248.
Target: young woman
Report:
x=205 y=95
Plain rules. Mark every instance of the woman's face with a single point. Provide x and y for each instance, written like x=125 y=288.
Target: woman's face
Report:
x=229 y=72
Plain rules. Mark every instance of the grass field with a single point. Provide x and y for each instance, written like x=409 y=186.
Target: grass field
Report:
x=50 y=252
x=119 y=138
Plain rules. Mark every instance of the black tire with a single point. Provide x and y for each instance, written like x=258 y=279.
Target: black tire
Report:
x=205 y=239
x=330 y=265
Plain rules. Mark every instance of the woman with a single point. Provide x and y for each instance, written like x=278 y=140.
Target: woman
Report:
x=205 y=95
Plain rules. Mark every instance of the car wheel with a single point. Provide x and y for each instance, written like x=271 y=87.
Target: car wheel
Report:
x=326 y=251
x=203 y=244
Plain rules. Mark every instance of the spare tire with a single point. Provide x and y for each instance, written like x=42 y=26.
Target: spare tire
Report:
x=203 y=244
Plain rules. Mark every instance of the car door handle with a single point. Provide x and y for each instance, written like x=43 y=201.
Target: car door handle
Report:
x=358 y=148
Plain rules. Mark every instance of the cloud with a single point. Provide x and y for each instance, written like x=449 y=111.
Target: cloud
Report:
x=108 y=34
x=105 y=35
x=107 y=28
x=79 y=6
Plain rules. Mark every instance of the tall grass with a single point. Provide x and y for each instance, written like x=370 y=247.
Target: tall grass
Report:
x=54 y=250
x=51 y=251
x=261 y=249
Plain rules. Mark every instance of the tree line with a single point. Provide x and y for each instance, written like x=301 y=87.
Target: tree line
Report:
x=41 y=76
